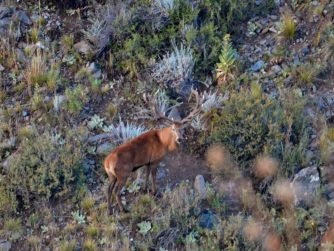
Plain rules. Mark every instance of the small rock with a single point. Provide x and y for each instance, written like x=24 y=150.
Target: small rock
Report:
x=94 y=70
x=104 y=148
x=315 y=3
x=258 y=2
x=279 y=2
x=187 y=86
x=272 y=29
x=6 y=12
x=83 y=47
x=58 y=100
x=4 y=24
x=22 y=17
x=20 y=56
x=309 y=155
x=296 y=59
x=306 y=184
x=305 y=51
x=2 y=68
x=25 y=113
x=162 y=173
x=274 y=17
x=97 y=74
x=99 y=137
x=276 y=69
x=5 y=245
x=265 y=30
x=174 y=114
x=207 y=219
x=200 y=186
x=91 y=162
x=331 y=196
x=92 y=67
x=257 y=66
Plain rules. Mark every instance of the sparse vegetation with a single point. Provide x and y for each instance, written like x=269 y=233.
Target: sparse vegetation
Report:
x=78 y=78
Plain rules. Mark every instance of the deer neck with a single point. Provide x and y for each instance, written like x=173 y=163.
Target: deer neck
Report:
x=166 y=138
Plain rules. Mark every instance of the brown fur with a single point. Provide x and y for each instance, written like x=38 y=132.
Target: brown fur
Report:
x=147 y=149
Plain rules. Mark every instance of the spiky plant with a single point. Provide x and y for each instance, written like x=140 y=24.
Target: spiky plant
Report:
x=124 y=132
x=227 y=61
x=174 y=68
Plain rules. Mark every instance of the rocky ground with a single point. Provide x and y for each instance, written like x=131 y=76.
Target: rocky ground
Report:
x=265 y=57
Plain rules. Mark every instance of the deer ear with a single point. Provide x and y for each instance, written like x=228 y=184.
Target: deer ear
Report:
x=173 y=126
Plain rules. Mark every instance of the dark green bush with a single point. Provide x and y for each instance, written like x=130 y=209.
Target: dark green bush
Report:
x=147 y=33
x=8 y=203
x=46 y=166
x=76 y=99
x=251 y=123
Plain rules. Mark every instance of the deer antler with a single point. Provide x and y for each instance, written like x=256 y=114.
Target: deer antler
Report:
x=196 y=109
x=158 y=111
x=157 y=108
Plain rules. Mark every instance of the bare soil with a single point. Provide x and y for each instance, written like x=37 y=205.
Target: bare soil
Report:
x=180 y=166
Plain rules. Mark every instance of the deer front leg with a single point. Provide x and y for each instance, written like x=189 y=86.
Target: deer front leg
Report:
x=148 y=171
x=154 y=169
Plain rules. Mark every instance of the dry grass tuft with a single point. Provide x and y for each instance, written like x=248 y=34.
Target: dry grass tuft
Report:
x=36 y=72
x=253 y=230
x=272 y=242
x=284 y=192
x=220 y=160
x=288 y=27
x=265 y=166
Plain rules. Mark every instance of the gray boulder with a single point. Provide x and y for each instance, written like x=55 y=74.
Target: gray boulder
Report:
x=200 y=186
x=19 y=19
x=207 y=219
x=5 y=245
x=306 y=185
x=83 y=47
x=104 y=148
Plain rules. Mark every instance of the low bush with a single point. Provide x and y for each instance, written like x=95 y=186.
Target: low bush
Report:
x=8 y=202
x=45 y=166
x=251 y=123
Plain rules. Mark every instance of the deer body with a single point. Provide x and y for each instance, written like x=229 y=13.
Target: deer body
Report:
x=147 y=149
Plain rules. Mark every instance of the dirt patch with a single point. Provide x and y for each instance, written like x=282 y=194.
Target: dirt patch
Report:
x=180 y=166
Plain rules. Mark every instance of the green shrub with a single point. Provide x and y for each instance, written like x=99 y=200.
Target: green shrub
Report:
x=46 y=166
x=8 y=203
x=75 y=99
x=251 y=123
x=147 y=30
x=326 y=144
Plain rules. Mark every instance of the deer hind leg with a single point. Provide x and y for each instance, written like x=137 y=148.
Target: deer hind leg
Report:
x=120 y=183
x=112 y=182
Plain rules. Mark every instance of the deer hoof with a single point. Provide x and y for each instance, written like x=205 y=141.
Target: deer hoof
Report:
x=124 y=210
x=152 y=193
